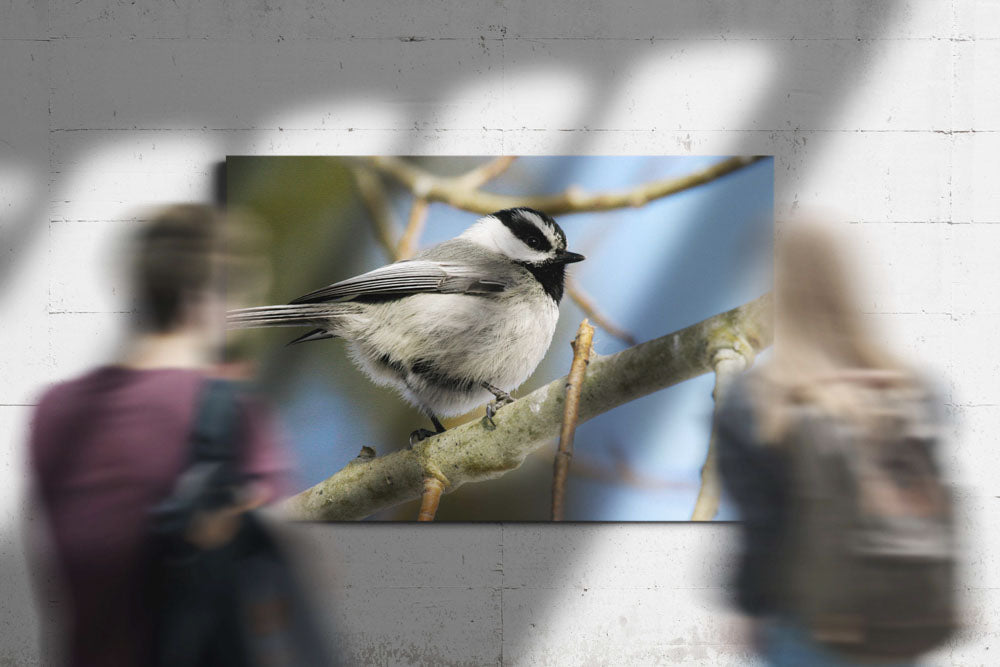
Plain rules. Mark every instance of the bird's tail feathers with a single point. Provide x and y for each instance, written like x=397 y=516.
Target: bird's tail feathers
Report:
x=282 y=316
x=315 y=334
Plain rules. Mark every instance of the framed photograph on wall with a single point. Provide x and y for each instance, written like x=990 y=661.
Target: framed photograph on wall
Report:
x=400 y=297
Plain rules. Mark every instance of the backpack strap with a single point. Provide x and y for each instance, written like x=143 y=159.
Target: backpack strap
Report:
x=213 y=435
x=210 y=479
x=214 y=438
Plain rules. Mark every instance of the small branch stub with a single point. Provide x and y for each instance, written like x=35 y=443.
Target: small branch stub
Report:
x=433 y=488
x=582 y=348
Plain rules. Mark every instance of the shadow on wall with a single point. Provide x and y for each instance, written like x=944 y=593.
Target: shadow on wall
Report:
x=289 y=81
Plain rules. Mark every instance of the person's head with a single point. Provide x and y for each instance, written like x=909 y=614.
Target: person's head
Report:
x=176 y=267
x=821 y=334
x=818 y=311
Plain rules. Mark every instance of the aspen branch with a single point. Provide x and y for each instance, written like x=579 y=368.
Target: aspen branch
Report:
x=589 y=308
x=582 y=349
x=470 y=453
x=727 y=363
x=455 y=191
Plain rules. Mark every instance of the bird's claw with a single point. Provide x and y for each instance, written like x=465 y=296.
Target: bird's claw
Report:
x=502 y=399
x=488 y=422
x=420 y=435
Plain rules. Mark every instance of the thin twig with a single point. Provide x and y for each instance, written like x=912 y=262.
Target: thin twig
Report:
x=582 y=347
x=573 y=200
x=586 y=304
x=433 y=488
x=470 y=453
x=727 y=364
x=377 y=203
x=414 y=227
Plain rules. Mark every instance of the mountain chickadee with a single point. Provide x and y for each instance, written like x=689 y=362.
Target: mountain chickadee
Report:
x=463 y=320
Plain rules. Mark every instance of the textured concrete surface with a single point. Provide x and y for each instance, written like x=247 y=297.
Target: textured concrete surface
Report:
x=887 y=111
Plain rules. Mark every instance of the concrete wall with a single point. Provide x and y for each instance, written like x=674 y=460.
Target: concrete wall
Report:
x=887 y=111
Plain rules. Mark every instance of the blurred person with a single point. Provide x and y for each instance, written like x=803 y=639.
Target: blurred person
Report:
x=108 y=446
x=827 y=450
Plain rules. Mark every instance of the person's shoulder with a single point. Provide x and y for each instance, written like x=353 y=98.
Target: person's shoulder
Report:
x=59 y=407
x=102 y=378
x=52 y=393
x=62 y=394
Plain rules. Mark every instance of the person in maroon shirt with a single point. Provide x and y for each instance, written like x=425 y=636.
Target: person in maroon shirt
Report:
x=109 y=445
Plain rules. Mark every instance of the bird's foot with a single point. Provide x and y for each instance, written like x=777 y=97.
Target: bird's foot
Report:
x=420 y=435
x=502 y=399
x=501 y=396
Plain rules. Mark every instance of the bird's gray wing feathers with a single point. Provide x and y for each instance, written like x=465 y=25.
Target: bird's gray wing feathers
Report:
x=412 y=277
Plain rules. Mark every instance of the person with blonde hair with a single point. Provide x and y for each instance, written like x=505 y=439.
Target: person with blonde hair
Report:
x=828 y=451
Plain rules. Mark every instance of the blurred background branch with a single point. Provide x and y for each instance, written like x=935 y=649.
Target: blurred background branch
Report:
x=484 y=173
x=470 y=453
x=727 y=363
x=457 y=191
x=376 y=200
x=589 y=308
x=414 y=227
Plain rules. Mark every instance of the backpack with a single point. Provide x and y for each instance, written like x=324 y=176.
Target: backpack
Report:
x=236 y=605
x=871 y=562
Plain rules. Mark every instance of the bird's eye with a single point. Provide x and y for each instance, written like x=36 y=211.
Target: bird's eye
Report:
x=533 y=242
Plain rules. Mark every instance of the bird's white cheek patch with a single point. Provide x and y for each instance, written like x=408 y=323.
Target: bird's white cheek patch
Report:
x=493 y=235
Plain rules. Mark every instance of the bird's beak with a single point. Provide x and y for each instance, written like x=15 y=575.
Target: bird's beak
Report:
x=566 y=257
